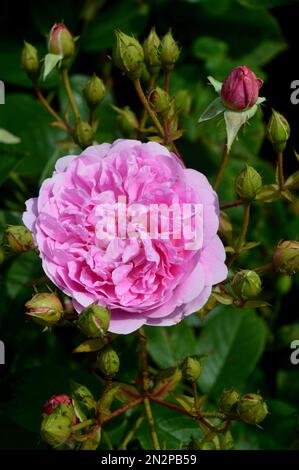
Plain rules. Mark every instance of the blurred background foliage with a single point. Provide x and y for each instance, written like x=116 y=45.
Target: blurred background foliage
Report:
x=248 y=349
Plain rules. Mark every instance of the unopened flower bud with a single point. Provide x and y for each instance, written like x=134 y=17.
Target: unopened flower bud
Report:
x=127 y=121
x=159 y=100
x=169 y=52
x=94 y=320
x=128 y=55
x=108 y=361
x=57 y=400
x=151 y=53
x=278 y=131
x=61 y=41
x=248 y=183
x=191 y=369
x=83 y=134
x=56 y=427
x=286 y=257
x=252 y=408
x=94 y=91
x=183 y=100
x=29 y=61
x=240 y=90
x=45 y=309
x=228 y=401
x=19 y=238
x=247 y=284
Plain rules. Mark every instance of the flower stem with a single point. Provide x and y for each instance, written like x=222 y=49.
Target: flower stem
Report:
x=222 y=167
x=83 y=425
x=147 y=107
x=231 y=204
x=131 y=433
x=124 y=408
x=264 y=268
x=242 y=235
x=280 y=170
x=69 y=92
x=151 y=423
x=49 y=108
x=167 y=81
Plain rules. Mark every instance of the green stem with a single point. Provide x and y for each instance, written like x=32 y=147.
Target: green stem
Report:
x=69 y=92
x=224 y=162
x=231 y=204
x=280 y=170
x=49 y=108
x=131 y=434
x=242 y=235
x=151 y=423
x=144 y=113
x=196 y=400
x=83 y=425
x=167 y=81
x=147 y=107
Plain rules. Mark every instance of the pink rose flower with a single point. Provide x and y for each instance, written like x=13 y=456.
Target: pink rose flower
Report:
x=240 y=90
x=143 y=280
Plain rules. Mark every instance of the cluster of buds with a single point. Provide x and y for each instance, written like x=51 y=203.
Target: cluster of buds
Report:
x=131 y=57
x=250 y=408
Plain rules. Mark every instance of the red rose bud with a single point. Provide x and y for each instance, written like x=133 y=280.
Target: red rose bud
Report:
x=45 y=309
x=19 y=238
x=240 y=90
x=61 y=41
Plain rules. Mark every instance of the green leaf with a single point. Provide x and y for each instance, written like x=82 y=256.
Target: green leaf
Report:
x=7 y=137
x=9 y=159
x=24 y=270
x=51 y=60
x=215 y=108
x=90 y=345
x=234 y=120
x=207 y=46
x=261 y=4
x=234 y=341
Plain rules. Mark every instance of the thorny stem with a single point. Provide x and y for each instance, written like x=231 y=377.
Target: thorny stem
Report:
x=222 y=167
x=147 y=107
x=69 y=92
x=49 y=108
x=242 y=235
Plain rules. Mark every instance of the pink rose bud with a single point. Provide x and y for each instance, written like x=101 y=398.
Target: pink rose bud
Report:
x=240 y=90
x=61 y=41
x=57 y=400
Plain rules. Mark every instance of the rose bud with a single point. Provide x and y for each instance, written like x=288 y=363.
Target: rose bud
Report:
x=29 y=61
x=286 y=257
x=278 y=131
x=108 y=361
x=127 y=121
x=19 y=238
x=151 y=53
x=83 y=134
x=252 y=408
x=94 y=91
x=240 y=89
x=45 y=309
x=56 y=427
x=247 y=284
x=228 y=401
x=159 y=101
x=128 y=55
x=94 y=320
x=169 y=52
x=248 y=183
x=191 y=369
x=55 y=401
x=61 y=41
